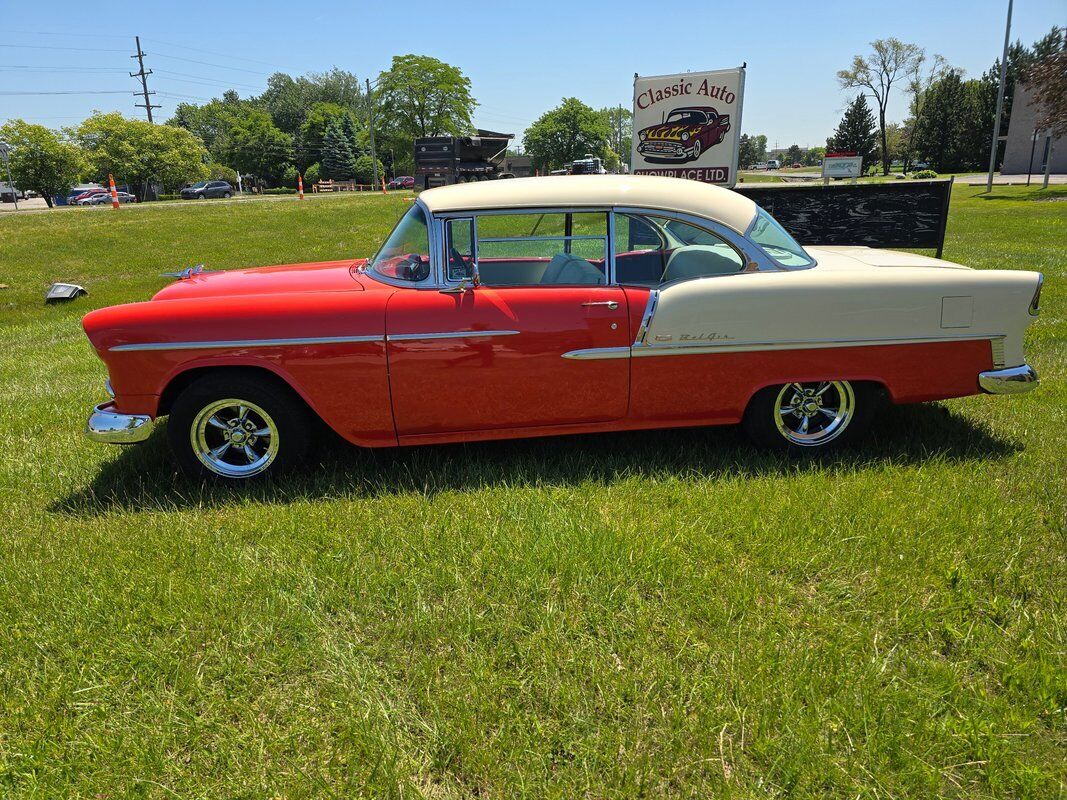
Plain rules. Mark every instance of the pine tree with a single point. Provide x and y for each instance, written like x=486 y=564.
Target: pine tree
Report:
x=337 y=156
x=856 y=132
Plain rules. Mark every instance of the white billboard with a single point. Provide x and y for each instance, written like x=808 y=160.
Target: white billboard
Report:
x=842 y=166
x=688 y=125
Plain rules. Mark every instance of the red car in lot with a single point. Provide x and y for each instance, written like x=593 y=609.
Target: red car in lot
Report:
x=402 y=182
x=683 y=135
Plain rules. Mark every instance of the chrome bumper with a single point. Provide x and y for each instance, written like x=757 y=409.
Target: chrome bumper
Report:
x=1013 y=380
x=110 y=427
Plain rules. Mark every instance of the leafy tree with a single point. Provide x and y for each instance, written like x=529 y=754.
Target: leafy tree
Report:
x=363 y=169
x=137 y=152
x=40 y=160
x=856 y=131
x=752 y=150
x=620 y=123
x=1048 y=80
x=288 y=99
x=569 y=131
x=793 y=155
x=814 y=156
x=220 y=172
x=920 y=79
x=337 y=155
x=312 y=175
x=889 y=60
x=313 y=131
x=213 y=121
x=257 y=146
x=939 y=137
x=422 y=96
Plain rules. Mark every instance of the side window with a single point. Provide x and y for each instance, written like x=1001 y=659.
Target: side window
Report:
x=654 y=250
x=562 y=249
x=459 y=241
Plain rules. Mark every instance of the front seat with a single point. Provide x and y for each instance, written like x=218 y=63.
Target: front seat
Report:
x=700 y=261
x=568 y=269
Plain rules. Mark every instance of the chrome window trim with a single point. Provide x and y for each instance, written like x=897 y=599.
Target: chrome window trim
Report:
x=646 y=318
x=218 y=344
x=777 y=264
x=432 y=238
x=412 y=337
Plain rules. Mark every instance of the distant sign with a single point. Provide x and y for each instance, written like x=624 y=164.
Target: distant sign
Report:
x=688 y=125
x=842 y=166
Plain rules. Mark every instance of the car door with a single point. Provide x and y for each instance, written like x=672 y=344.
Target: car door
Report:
x=508 y=352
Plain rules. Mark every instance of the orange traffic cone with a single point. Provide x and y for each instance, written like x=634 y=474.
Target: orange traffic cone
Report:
x=114 y=194
x=300 y=186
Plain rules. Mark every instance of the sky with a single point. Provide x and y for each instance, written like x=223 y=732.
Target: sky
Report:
x=521 y=59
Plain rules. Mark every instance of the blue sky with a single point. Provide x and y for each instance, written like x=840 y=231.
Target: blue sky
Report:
x=521 y=59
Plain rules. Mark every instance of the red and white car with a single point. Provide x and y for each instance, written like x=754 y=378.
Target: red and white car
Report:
x=543 y=306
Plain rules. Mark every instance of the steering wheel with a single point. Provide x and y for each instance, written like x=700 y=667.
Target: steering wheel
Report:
x=416 y=267
x=455 y=261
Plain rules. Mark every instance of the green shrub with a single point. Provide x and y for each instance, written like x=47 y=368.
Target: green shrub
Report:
x=220 y=172
x=280 y=190
x=311 y=175
x=923 y=174
x=169 y=196
x=289 y=177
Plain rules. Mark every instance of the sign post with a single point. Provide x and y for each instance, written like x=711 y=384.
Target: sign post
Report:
x=688 y=125
x=5 y=149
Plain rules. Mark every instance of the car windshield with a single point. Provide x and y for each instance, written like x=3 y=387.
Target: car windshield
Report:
x=405 y=255
x=687 y=117
x=777 y=243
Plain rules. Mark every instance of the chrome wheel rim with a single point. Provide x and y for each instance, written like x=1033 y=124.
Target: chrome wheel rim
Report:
x=234 y=438
x=812 y=414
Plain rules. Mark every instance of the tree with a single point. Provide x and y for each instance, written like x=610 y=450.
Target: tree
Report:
x=288 y=99
x=814 y=156
x=1048 y=81
x=620 y=122
x=363 y=169
x=138 y=152
x=256 y=145
x=856 y=131
x=753 y=150
x=889 y=60
x=793 y=155
x=919 y=82
x=337 y=156
x=40 y=160
x=213 y=121
x=939 y=134
x=313 y=131
x=422 y=96
x=569 y=131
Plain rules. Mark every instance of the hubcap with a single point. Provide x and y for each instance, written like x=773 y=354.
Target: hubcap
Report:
x=234 y=438
x=811 y=414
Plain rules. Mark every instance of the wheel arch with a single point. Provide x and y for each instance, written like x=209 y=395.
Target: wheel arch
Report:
x=183 y=379
x=880 y=386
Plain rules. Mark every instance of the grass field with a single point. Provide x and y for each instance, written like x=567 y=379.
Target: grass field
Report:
x=662 y=614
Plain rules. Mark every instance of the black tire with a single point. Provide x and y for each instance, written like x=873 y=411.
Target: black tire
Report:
x=272 y=406
x=226 y=195
x=201 y=197
x=828 y=427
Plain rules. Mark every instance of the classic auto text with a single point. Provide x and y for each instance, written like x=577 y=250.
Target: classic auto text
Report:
x=683 y=87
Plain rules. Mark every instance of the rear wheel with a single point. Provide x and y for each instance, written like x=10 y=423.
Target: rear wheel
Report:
x=232 y=427
x=201 y=197
x=226 y=195
x=811 y=416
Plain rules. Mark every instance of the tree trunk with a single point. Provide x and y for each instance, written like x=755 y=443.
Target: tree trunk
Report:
x=47 y=198
x=885 y=143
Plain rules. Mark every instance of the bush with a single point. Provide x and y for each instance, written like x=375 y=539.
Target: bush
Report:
x=923 y=174
x=169 y=196
x=312 y=175
x=289 y=177
x=363 y=168
x=220 y=172
x=280 y=190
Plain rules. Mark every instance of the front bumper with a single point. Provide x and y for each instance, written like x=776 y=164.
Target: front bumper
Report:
x=1013 y=380
x=110 y=427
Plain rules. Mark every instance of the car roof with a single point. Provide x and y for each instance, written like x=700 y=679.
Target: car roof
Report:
x=598 y=191
x=694 y=108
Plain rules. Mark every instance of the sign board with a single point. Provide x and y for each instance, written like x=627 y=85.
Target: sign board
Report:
x=688 y=125
x=842 y=166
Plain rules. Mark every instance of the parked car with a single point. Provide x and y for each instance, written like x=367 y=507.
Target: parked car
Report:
x=774 y=164
x=101 y=198
x=78 y=198
x=9 y=193
x=402 y=182
x=207 y=189
x=683 y=135
x=543 y=306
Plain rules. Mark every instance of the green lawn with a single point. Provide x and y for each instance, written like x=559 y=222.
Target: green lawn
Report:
x=661 y=614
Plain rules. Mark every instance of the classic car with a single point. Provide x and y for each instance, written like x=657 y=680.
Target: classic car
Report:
x=683 y=135
x=542 y=306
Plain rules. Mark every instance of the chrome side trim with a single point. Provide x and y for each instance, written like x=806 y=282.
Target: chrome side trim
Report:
x=243 y=343
x=646 y=318
x=1035 y=304
x=1014 y=380
x=641 y=351
x=412 y=337
x=996 y=347
x=598 y=353
x=110 y=427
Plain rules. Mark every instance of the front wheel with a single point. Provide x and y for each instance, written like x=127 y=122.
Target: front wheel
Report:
x=234 y=427
x=811 y=416
x=201 y=197
x=226 y=195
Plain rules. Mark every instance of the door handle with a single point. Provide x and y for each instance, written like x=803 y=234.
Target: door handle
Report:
x=609 y=303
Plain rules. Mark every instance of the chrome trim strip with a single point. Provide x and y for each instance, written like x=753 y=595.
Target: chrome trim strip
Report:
x=598 y=353
x=412 y=337
x=1035 y=304
x=243 y=343
x=110 y=427
x=643 y=350
x=646 y=318
x=1014 y=380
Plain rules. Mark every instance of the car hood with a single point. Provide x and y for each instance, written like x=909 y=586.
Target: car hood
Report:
x=320 y=276
x=670 y=132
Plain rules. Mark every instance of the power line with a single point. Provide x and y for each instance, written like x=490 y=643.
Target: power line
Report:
x=209 y=64
x=65 y=92
x=216 y=53
x=147 y=105
x=54 y=47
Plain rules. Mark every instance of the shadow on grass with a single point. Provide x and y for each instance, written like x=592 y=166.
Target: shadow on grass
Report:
x=143 y=478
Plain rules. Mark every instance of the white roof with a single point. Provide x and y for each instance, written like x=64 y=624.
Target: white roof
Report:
x=642 y=191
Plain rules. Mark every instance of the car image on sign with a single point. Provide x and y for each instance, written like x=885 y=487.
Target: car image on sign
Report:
x=683 y=135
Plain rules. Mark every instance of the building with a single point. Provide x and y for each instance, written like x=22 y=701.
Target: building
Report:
x=1027 y=148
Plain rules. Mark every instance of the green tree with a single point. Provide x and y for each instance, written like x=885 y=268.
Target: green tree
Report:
x=793 y=155
x=337 y=155
x=313 y=131
x=890 y=60
x=288 y=99
x=422 y=96
x=814 y=156
x=257 y=146
x=569 y=131
x=363 y=169
x=213 y=121
x=939 y=136
x=1048 y=79
x=40 y=160
x=752 y=150
x=138 y=152
x=620 y=123
x=856 y=132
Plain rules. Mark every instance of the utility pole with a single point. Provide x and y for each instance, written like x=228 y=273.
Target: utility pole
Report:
x=147 y=106
x=1000 y=102
x=370 y=112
